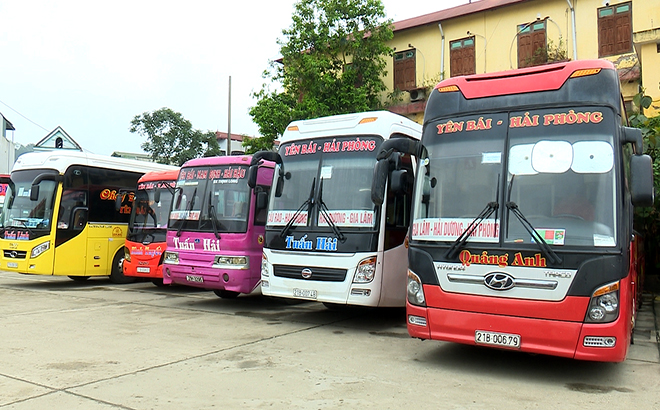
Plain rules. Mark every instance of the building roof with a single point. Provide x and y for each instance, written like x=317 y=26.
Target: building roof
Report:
x=458 y=11
x=9 y=126
x=57 y=139
x=234 y=137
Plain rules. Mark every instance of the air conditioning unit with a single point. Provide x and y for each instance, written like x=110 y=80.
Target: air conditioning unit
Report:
x=417 y=94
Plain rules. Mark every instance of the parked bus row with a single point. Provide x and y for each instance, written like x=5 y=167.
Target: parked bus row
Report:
x=505 y=220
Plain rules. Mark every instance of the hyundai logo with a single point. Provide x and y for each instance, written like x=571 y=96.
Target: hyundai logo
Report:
x=13 y=254
x=306 y=273
x=499 y=281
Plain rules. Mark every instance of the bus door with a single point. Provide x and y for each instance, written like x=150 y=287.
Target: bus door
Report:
x=70 y=235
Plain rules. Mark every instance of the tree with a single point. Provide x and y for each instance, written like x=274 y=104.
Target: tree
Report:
x=333 y=61
x=171 y=138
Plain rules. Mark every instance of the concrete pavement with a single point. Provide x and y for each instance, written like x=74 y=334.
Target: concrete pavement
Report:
x=96 y=345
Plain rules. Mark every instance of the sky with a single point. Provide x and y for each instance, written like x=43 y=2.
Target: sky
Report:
x=91 y=67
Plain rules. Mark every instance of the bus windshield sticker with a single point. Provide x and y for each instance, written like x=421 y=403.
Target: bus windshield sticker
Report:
x=552 y=236
x=326 y=171
x=281 y=218
x=448 y=229
x=187 y=215
x=491 y=157
x=603 y=240
x=356 y=218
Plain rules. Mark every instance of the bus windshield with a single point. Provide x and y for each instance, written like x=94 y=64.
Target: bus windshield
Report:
x=334 y=176
x=21 y=212
x=211 y=199
x=560 y=179
x=148 y=217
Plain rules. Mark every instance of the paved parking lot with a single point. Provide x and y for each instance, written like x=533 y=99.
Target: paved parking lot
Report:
x=96 y=345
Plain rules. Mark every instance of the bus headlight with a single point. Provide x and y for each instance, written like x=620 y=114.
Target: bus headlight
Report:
x=366 y=270
x=39 y=249
x=264 y=266
x=415 y=290
x=171 y=257
x=127 y=255
x=604 y=304
x=231 y=262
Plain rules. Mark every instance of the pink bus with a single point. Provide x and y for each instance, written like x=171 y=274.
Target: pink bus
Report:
x=216 y=227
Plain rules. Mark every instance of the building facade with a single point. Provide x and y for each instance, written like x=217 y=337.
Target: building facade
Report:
x=495 y=35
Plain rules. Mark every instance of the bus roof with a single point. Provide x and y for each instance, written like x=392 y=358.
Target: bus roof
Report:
x=221 y=160
x=170 y=175
x=383 y=123
x=521 y=80
x=224 y=160
x=61 y=161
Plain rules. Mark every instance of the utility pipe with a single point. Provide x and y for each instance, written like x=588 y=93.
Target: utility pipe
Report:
x=570 y=6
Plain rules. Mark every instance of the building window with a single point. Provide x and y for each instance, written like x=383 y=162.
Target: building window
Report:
x=615 y=30
x=532 y=46
x=405 y=71
x=462 y=57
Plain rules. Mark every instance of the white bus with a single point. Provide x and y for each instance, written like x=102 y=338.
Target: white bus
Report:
x=326 y=240
x=60 y=215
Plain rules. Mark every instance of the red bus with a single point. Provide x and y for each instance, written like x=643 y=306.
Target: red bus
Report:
x=147 y=228
x=521 y=235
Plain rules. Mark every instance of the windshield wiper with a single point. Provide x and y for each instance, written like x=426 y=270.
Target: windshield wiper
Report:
x=462 y=239
x=188 y=209
x=212 y=217
x=545 y=248
x=309 y=203
x=325 y=212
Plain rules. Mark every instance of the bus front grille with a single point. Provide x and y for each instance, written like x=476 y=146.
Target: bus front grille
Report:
x=310 y=273
x=12 y=254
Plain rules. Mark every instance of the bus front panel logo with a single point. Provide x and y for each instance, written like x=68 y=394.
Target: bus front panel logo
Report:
x=306 y=273
x=499 y=281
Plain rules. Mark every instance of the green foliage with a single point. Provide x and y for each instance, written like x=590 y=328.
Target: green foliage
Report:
x=333 y=61
x=171 y=138
x=647 y=220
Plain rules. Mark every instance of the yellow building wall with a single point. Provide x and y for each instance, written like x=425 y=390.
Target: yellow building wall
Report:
x=495 y=33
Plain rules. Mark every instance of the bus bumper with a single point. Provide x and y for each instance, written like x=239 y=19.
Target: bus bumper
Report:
x=571 y=339
x=234 y=280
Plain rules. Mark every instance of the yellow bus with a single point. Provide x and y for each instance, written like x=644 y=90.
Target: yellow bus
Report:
x=61 y=215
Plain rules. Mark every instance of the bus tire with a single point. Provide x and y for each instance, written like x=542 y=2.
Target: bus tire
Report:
x=158 y=282
x=226 y=294
x=79 y=278
x=117 y=272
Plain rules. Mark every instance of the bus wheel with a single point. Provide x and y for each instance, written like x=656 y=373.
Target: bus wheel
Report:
x=117 y=274
x=79 y=278
x=158 y=282
x=226 y=294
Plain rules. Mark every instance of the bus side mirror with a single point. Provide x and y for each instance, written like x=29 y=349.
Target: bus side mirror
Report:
x=157 y=195
x=399 y=182
x=34 y=192
x=381 y=170
x=118 y=202
x=252 y=175
x=641 y=180
x=279 y=187
x=79 y=218
x=262 y=200
x=633 y=136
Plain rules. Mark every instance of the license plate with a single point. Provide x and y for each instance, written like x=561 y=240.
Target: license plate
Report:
x=143 y=269
x=305 y=293
x=194 y=278
x=497 y=339
x=12 y=264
